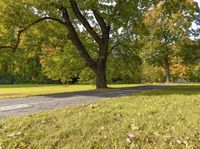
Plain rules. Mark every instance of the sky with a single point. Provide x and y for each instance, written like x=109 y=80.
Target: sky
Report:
x=198 y=1
x=194 y=26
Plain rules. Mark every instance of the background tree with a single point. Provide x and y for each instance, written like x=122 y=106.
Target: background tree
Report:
x=167 y=23
x=124 y=62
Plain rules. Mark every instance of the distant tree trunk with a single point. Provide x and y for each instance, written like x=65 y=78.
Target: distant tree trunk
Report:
x=12 y=81
x=167 y=70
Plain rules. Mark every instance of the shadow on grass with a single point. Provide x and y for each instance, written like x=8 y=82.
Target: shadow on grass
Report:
x=147 y=90
x=106 y=93
x=73 y=90
x=152 y=90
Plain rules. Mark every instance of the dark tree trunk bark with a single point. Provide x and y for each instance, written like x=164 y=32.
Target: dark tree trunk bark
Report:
x=98 y=66
x=167 y=71
x=101 y=74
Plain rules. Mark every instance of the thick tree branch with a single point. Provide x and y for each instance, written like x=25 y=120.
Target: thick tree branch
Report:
x=20 y=32
x=73 y=36
x=103 y=52
x=104 y=28
x=84 y=21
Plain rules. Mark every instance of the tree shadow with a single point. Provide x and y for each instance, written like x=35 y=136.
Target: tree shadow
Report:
x=107 y=93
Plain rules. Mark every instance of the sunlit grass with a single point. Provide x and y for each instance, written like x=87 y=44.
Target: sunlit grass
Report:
x=165 y=118
x=13 y=91
x=124 y=85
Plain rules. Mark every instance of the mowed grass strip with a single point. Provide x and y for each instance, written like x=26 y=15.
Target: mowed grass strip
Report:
x=164 y=118
x=14 y=91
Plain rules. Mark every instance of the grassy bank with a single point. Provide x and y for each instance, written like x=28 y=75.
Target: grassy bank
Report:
x=165 y=118
x=13 y=91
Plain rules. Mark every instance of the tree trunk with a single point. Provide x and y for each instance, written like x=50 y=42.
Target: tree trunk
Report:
x=101 y=74
x=167 y=70
x=98 y=66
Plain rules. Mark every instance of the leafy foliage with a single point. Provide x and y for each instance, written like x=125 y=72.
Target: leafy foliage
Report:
x=140 y=32
x=167 y=23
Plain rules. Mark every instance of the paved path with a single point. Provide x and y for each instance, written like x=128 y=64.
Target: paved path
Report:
x=28 y=105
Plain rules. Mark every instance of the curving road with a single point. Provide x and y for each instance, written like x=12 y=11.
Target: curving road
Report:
x=28 y=105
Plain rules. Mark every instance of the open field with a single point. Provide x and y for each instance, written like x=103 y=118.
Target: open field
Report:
x=13 y=91
x=164 y=118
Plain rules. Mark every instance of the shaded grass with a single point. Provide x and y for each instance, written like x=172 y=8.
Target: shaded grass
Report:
x=164 y=118
x=14 y=91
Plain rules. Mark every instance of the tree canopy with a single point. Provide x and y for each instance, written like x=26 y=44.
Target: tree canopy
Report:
x=61 y=39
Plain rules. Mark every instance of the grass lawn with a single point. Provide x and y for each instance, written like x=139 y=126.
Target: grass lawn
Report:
x=165 y=118
x=13 y=91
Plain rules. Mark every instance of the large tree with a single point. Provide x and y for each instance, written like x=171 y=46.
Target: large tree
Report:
x=100 y=19
x=167 y=23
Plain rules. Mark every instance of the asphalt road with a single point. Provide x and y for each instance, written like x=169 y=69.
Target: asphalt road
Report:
x=29 y=105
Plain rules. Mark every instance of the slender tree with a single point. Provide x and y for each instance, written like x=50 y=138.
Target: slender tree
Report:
x=167 y=23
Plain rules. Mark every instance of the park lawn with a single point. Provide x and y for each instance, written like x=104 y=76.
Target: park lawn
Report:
x=13 y=91
x=164 y=118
